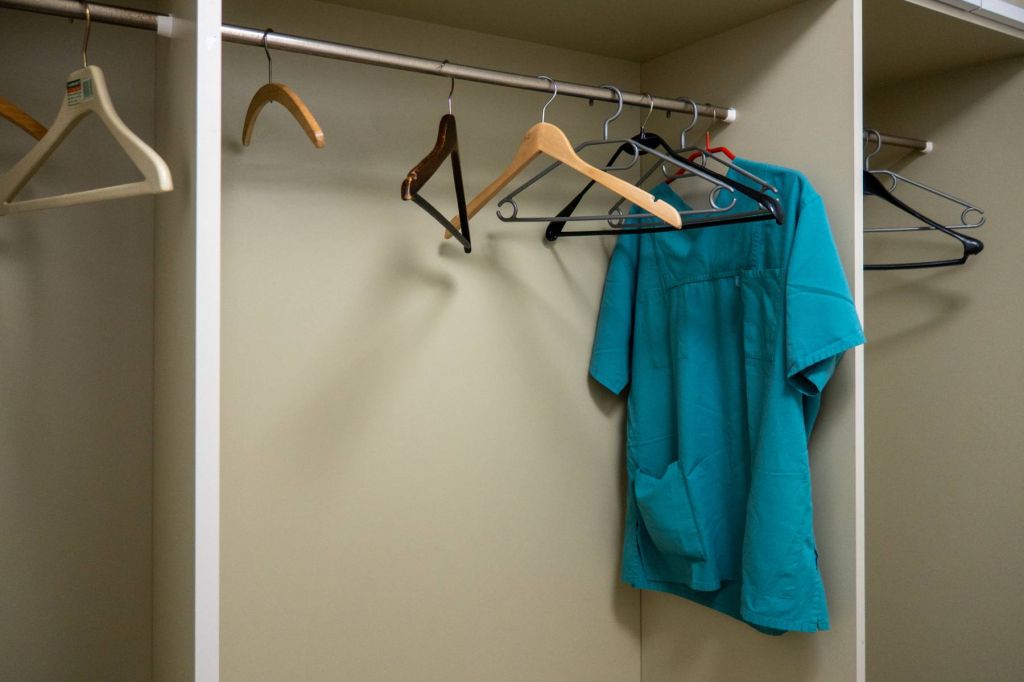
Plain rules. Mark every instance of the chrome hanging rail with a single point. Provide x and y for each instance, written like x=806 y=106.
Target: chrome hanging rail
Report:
x=884 y=140
x=150 y=21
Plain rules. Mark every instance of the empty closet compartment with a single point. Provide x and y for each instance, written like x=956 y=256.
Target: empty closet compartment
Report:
x=418 y=480
x=943 y=376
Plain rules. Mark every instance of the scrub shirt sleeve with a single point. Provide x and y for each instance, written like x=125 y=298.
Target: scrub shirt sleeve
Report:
x=610 y=357
x=821 y=319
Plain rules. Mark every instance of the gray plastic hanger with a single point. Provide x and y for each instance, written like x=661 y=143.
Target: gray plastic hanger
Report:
x=684 y=150
x=895 y=179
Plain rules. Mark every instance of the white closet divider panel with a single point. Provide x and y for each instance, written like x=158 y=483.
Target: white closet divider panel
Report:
x=187 y=349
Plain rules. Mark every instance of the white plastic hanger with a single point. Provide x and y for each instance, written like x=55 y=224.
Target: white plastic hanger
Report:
x=85 y=92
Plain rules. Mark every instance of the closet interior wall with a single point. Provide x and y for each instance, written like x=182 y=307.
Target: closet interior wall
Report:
x=793 y=77
x=944 y=378
x=76 y=379
x=419 y=481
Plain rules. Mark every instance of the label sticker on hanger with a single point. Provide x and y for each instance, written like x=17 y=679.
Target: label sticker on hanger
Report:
x=78 y=91
x=74 y=92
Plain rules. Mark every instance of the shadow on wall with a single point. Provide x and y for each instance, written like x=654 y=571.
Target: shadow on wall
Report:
x=935 y=306
x=721 y=641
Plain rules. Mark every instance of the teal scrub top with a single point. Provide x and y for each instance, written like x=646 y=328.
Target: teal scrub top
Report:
x=726 y=337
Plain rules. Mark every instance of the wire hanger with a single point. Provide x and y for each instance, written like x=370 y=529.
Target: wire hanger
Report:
x=874 y=187
x=545 y=138
x=286 y=97
x=447 y=144
x=895 y=179
x=85 y=91
x=704 y=155
x=616 y=208
x=647 y=142
x=20 y=118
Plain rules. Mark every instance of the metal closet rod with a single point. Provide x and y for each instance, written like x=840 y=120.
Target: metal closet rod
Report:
x=121 y=16
x=923 y=146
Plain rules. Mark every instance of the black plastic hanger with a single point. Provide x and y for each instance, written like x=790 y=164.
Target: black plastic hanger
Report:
x=555 y=228
x=873 y=186
x=447 y=145
x=644 y=142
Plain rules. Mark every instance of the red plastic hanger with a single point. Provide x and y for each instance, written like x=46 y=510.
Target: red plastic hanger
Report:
x=710 y=150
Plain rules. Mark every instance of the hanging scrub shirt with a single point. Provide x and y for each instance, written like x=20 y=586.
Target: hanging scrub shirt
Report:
x=726 y=337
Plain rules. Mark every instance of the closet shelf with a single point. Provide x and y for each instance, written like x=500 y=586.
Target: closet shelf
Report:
x=635 y=31
x=909 y=39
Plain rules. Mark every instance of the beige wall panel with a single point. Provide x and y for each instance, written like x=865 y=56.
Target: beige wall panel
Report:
x=944 y=390
x=419 y=482
x=791 y=77
x=174 y=417
x=76 y=353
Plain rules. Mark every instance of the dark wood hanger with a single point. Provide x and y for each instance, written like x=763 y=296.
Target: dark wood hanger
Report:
x=18 y=117
x=447 y=145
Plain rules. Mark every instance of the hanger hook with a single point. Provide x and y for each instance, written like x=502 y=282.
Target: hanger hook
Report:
x=878 y=146
x=451 y=91
x=643 y=126
x=693 y=121
x=85 y=40
x=270 y=60
x=554 y=85
x=618 y=111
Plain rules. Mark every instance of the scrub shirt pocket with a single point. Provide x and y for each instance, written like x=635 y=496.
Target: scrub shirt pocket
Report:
x=667 y=512
x=762 y=302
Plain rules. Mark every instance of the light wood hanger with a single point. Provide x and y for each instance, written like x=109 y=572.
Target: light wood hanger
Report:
x=286 y=97
x=18 y=117
x=545 y=138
